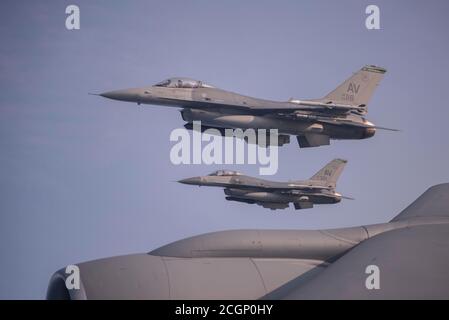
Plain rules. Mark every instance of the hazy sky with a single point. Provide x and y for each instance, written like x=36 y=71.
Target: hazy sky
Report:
x=84 y=177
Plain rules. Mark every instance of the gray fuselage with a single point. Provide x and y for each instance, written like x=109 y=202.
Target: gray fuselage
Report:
x=223 y=109
x=248 y=189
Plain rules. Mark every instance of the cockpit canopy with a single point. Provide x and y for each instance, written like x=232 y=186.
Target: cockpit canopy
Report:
x=182 y=83
x=224 y=173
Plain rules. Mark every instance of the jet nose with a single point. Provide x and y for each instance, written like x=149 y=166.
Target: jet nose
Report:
x=193 y=181
x=122 y=95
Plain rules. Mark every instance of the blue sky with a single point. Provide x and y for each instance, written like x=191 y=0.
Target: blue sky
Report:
x=84 y=177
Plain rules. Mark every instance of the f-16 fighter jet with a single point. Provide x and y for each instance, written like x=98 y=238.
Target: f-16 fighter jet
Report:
x=320 y=189
x=339 y=115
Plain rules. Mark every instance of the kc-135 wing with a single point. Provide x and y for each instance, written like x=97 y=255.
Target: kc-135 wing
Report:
x=406 y=258
x=412 y=262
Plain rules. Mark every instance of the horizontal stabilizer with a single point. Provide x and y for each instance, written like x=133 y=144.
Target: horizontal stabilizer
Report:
x=388 y=129
x=354 y=124
x=309 y=140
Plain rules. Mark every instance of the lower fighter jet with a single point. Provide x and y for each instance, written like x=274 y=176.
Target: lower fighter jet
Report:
x=319 y=189
x=406 y=258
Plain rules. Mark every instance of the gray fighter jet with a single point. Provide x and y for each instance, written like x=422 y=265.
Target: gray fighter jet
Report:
x=406 y=258
x=339 y=115
x=319 y=189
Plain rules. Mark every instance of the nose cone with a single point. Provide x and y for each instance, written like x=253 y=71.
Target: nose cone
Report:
x=122 y=95
x=192 y=181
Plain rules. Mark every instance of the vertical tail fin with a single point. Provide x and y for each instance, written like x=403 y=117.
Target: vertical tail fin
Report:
x=358 y=89
x=330 y=172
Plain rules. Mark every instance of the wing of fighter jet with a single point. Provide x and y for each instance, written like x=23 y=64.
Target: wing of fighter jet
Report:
x=406 y=258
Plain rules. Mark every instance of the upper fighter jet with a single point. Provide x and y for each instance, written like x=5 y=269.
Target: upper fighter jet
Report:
x=339 y=115
x=320 y=189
